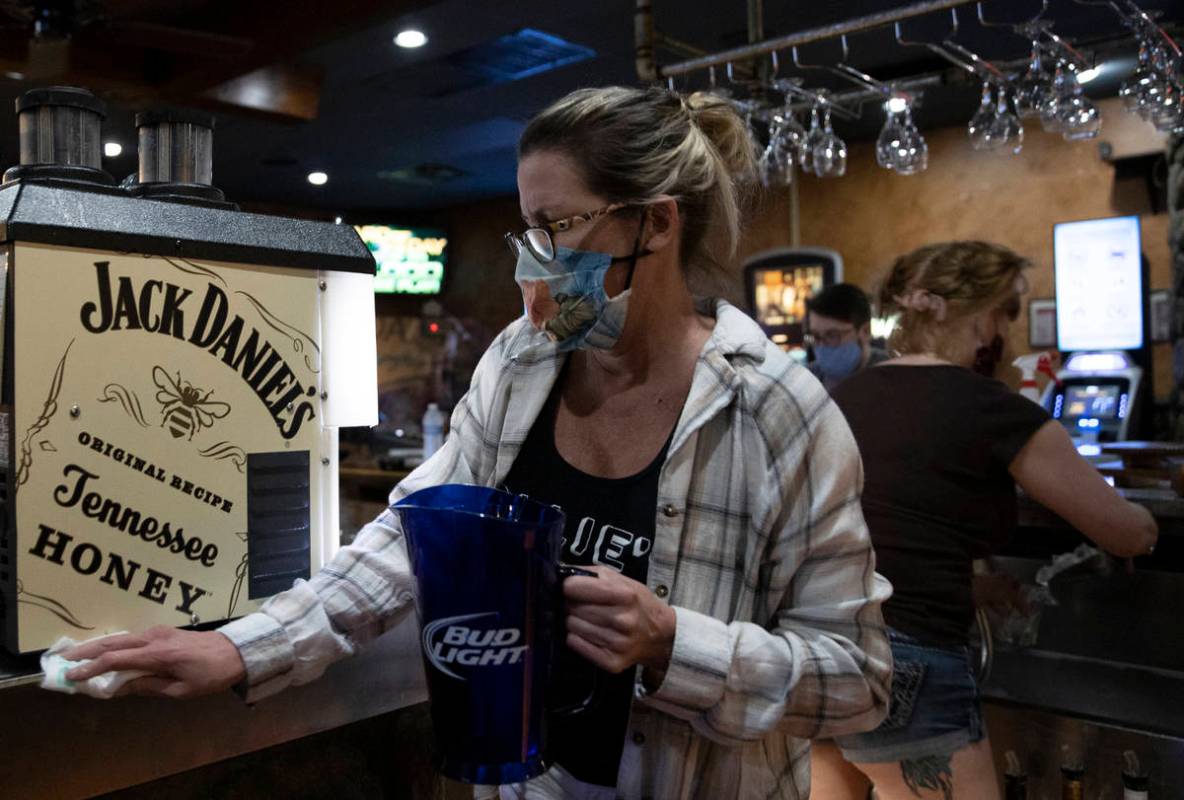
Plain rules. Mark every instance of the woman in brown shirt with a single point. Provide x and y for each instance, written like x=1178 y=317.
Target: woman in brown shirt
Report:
x=943 y=446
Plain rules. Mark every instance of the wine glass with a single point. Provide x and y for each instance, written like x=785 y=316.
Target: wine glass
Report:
x=1077 y=118
x=1035 y=85
x=1132 y=91
x=786 y=138
x=773 y=168
x=813 y=138
x=1009 y=129
x=830 y=152
x=889 y=139
x=1154 y=90
x=913 y=151
x=1050 y=109
x=983 y=127
x=900 y=146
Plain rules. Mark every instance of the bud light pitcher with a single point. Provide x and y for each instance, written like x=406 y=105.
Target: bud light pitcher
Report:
x=489 y=602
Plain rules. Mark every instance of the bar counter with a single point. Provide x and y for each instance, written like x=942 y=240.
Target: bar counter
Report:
x=61 y=746
x=1108 y=655
x=1106 y=673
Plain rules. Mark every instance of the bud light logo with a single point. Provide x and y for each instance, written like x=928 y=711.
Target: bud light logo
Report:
x=465 y=642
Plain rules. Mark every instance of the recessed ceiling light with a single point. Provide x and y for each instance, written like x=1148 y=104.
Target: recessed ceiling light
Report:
x=318 y=178
x=112 y=149
x=411 y=39
x=896 y=104
x=1087 y=75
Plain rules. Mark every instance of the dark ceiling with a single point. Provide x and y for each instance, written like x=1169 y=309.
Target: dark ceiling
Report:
x=304 y=86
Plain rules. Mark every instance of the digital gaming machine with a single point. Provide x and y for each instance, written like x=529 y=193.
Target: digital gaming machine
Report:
x=1101 y=330
x=778 y=283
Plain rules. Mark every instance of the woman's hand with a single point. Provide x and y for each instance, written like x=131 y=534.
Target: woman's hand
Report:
x=616 y=622
x=181 y=663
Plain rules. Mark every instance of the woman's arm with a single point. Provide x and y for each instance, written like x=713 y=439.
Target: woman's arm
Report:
x=1050 y=470
x=821 y=665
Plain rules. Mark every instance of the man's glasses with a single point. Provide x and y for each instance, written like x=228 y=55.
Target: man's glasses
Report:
x=831 y=338
x=540 y=241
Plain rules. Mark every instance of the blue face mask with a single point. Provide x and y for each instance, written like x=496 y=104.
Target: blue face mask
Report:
x=568 y=299
x=840 y=361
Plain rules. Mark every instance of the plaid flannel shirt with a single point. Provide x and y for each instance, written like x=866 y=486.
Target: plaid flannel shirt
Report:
x=760 y=546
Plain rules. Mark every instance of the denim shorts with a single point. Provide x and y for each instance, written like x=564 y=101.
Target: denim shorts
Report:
x=934 y=709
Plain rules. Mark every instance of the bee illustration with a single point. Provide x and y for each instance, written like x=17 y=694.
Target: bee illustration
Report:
x=185 y=409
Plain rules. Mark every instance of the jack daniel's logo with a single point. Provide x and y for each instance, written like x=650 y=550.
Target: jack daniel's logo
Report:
x=159 y=307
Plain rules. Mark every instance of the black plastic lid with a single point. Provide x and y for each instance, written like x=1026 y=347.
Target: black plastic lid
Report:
x=158 y=115
x=1136 y=783
x=61 y=96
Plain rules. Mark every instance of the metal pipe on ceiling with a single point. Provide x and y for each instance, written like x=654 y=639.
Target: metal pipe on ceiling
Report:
x=643 y=41
x=831 y=31
x=677 y=46
x=756 y=33
x=756 y=21
x=856 y=98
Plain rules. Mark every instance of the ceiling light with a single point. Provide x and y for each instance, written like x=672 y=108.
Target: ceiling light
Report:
x=1087 y=75
x=896 y=104
x=411 y=38
x=318 y=178
x=112 y=149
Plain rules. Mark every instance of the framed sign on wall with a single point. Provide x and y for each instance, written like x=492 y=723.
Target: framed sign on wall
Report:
x=1161 y=315
x=1042 y=322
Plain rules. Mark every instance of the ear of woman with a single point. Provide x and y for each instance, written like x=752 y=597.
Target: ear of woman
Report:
x=662 y=225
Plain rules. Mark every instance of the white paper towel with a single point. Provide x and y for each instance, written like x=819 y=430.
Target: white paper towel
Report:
x=102 y=686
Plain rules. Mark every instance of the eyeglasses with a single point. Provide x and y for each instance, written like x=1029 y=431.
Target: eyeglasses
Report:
x=540 y=241
x=831 y=338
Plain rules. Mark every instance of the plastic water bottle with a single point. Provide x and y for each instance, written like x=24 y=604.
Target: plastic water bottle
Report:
x=1134 y=779
x=433 y=430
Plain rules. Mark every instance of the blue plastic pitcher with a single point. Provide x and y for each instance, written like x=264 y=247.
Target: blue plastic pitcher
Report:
x=490 y=606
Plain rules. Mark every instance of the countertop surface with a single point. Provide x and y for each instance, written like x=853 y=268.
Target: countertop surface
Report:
x=1107 y=692
x=74 y=746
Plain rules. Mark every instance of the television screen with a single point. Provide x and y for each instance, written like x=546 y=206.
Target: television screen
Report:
x=410 y=260
x=1099 y=284
x=1092 y=401
x=780 y=293
x=778 y=284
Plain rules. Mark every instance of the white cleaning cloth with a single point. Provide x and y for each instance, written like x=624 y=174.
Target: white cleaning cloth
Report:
x=102 y=686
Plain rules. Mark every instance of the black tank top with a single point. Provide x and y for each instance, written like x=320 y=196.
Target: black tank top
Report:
x=610 y=521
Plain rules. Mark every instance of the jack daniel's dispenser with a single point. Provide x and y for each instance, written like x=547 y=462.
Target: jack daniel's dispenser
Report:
x=174 y=372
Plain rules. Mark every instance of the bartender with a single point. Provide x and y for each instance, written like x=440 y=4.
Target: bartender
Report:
x=839 y=331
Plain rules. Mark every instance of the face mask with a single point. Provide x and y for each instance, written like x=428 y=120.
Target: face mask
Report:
x=987 y=357
x=566 y=297
x=840 y=361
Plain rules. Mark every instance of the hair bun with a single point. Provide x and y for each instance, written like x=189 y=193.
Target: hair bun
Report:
x=723 y=127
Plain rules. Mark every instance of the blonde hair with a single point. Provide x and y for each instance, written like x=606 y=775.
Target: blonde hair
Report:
x=636 y=145
x=935 y=288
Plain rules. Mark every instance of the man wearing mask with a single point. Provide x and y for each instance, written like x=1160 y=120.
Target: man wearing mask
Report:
x=839 y=331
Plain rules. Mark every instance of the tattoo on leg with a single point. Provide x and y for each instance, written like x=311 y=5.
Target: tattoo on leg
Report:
x=933 y=773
